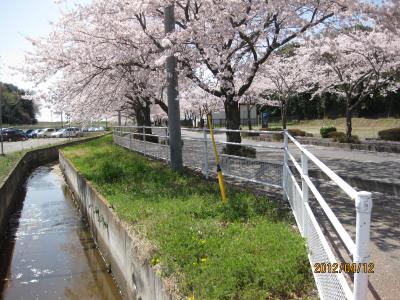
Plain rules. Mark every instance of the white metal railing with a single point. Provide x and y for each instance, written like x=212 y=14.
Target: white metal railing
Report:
x=198 y=154
x=330 y=285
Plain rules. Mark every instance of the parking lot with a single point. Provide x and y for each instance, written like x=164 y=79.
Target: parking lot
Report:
x=10 y=147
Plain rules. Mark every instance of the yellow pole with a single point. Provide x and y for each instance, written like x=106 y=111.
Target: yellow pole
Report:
x=219 y=171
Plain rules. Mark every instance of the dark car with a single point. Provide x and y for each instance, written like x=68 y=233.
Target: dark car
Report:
x=34 y=133
x=29 y=131
x=11 y=134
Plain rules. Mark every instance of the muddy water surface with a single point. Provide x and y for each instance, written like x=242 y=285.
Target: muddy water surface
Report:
x=48 y=252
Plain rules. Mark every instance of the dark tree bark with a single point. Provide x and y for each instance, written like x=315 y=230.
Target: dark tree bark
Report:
x=232 y=121
x=349 y=127
x=249 y=116
x=284 y=105
x=143 y=118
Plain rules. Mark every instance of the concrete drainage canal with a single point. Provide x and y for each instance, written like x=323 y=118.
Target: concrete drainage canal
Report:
x=48 y=251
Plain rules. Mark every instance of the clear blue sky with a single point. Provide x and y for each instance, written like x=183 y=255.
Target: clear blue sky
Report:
x=20 y=18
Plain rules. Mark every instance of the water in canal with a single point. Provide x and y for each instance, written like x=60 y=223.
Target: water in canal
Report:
x=48 y=252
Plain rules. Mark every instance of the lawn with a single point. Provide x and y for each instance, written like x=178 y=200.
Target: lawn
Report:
x=362 y=127
x=247 y=249
x=8 y=162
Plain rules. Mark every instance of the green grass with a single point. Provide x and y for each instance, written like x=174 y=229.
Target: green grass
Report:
x=247 y=249
x=8 y=162
x=362 y=127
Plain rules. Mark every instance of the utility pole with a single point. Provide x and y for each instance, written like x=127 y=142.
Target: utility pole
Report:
x=119 y=117
x=1 y=121
x=174 y=120
x=62 y=124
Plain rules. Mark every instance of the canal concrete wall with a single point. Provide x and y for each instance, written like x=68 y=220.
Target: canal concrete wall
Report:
x=13 y=185
x=120 y=246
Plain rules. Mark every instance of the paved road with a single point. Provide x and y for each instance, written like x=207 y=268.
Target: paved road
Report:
x=378 y=166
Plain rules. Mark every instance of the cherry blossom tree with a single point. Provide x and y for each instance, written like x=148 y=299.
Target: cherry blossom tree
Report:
x=109 y=54
x=355 y=64
x=223 y=44
x=197 y=103
x=282 y=80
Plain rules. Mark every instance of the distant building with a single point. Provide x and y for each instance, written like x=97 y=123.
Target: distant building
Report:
x=219 y=117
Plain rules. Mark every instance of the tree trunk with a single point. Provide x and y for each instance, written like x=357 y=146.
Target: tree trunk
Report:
x=348 y=123
x=249 y=116
x=284 y=114
x=143 y=118
x=232 y=121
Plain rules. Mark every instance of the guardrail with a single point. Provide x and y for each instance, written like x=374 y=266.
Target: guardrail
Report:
x=198 y=155
x=331 y=284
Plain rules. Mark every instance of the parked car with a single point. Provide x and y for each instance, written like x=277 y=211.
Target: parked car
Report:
x=45 y=132
x=11 y=134
x=67 y=132
x=28 y=131
x=34 y=133
x=59 y=133
x=75 y=132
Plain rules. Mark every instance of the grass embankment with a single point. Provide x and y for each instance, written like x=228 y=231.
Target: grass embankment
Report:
x=8 y=162
x=245 y=250
x=362 y=127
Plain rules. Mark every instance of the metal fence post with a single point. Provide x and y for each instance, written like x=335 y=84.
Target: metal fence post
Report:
x=285 y=159
x=361 y=257
x=167 y=156
x=205 y=153
x=130 y=138
x=144 y=139
x=304 y=188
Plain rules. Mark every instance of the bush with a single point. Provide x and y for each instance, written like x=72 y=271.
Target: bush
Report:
x=309 y=134
x=326 y=129
x=149 y=138
x=273 y=129
x=340 y=137
x=296 y=132
x=249 y=134
x=276 y=137
x=187 y=123
x=239 y=150
x=336 y=136
x=392 y=134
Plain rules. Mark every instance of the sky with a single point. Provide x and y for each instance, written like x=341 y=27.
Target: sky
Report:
x=21 y=18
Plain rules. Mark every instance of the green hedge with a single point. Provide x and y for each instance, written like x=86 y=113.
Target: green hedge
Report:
x=392 y=134
x=324 y=131
x=340 y=137
x=296 y=132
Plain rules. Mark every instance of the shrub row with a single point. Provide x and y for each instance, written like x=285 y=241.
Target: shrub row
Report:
x=340 y=137
x=392 y=134
x=325 y=130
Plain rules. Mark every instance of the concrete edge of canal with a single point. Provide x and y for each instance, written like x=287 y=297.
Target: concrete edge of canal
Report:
x=11 y=186
x=119 y=246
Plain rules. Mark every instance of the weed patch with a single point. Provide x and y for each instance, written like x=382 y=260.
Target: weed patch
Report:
x=246 y=249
